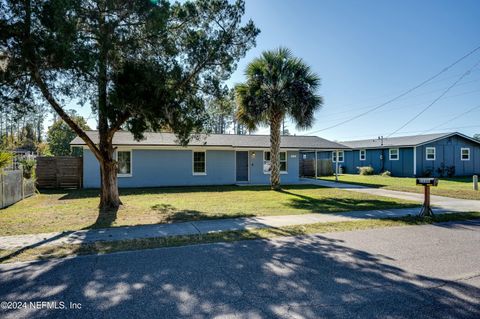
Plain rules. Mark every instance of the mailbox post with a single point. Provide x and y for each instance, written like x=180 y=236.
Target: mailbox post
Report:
x=426 y=182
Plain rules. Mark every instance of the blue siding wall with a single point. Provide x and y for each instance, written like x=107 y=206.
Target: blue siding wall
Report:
x=257 y=176
x=401 y=167
x=152 y=168
x=448 y=152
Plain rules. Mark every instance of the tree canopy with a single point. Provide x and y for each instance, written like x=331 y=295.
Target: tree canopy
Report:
x=59 y=136
x=141 y=65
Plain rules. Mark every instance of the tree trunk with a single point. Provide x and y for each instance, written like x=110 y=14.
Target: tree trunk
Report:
x=109 y=197
x=275 y=124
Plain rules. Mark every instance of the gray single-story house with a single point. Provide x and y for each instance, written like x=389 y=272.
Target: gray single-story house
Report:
x=443 y=154
x=216 y=159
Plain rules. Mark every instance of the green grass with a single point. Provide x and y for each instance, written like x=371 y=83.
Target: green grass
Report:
x=458 y=187
x=64 y=210
x=7 y=256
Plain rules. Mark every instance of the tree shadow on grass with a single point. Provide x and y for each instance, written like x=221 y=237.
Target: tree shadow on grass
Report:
x=308 y=276
x=92 y=193
x=335 y=205
x=105 y=218
x=169 y=214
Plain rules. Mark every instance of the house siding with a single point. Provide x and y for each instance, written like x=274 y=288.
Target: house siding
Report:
x=447 y=152
x=257 y=176
x=156 y=168
x=401 y=167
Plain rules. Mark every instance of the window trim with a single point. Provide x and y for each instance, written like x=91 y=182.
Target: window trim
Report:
x=264 y=160
x=390 y=154
x=364 y=157
x=434 y=153
x=131 y=162
x=461 y=153
x=193 y=163
x=339 y=152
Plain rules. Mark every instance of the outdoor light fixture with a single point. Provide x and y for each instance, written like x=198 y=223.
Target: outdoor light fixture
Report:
x=253 y=155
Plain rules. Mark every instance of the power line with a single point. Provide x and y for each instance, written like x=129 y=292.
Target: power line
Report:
x=350 y=137
x=436 y=100
x=402 y=94
x=453 y=119
x=349 y=110
x=412 y=105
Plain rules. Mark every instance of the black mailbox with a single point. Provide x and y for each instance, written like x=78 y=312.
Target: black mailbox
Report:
x=427 y=181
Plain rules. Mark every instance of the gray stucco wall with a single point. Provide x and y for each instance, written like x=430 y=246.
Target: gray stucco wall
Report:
x=154 y=168
x=448 y=152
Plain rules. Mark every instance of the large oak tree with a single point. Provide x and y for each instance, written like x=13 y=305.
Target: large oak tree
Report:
x=143 y=65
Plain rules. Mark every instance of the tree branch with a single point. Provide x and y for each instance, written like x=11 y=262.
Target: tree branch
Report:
x=118 y=123
x=53 y=102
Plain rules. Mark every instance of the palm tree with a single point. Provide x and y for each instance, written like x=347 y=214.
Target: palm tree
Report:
x=278 y=85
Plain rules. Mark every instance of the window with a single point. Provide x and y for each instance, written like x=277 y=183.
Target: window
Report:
x=124 y=160
x=393 y=154
x=430 y=153
x=363 y=155
x=465 y=153
x=340 y=156
x=199 y=163
x=267 y=164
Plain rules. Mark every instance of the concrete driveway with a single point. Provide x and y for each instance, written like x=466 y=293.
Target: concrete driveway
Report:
x=407 y=272
x=446 y=203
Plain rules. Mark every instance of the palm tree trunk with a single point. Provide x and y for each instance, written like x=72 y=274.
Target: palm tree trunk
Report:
x=275 y=125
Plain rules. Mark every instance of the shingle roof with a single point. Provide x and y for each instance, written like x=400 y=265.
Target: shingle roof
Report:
x=399 y=141
x=218 y=140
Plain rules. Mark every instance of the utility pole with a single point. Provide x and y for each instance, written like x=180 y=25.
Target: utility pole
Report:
x=382 y=155
x=380 y=138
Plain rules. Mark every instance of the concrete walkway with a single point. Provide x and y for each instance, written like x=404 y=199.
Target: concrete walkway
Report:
x=445 y=203
x=192 y=228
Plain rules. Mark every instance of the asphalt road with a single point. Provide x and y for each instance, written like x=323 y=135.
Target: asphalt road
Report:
x=408 y=272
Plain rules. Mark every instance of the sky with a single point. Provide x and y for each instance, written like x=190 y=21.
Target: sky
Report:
x=368 y=52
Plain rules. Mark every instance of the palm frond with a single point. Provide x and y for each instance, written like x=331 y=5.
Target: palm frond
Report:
x=278 y=83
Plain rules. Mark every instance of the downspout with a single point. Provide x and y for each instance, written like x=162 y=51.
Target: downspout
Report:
x=336 y=166
x=414 y=161
x=316 y=160
x=383 y=160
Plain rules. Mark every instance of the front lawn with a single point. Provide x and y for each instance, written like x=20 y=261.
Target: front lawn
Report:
x=64 y=210
x=458 y=187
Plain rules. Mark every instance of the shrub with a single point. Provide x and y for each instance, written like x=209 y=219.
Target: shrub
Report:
x=441 y=170
x=365 y=170
x=451 y=171
x=28 y=166
x=6 y=159
x=387 y=173
x=427 y=173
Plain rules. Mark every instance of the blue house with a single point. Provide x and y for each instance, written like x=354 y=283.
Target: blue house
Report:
x=158 y=159
x=444 y=154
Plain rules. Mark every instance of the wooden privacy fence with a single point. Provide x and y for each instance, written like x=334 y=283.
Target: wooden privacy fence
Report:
x=59 y=172
x=324 y=167
x=14 y=188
